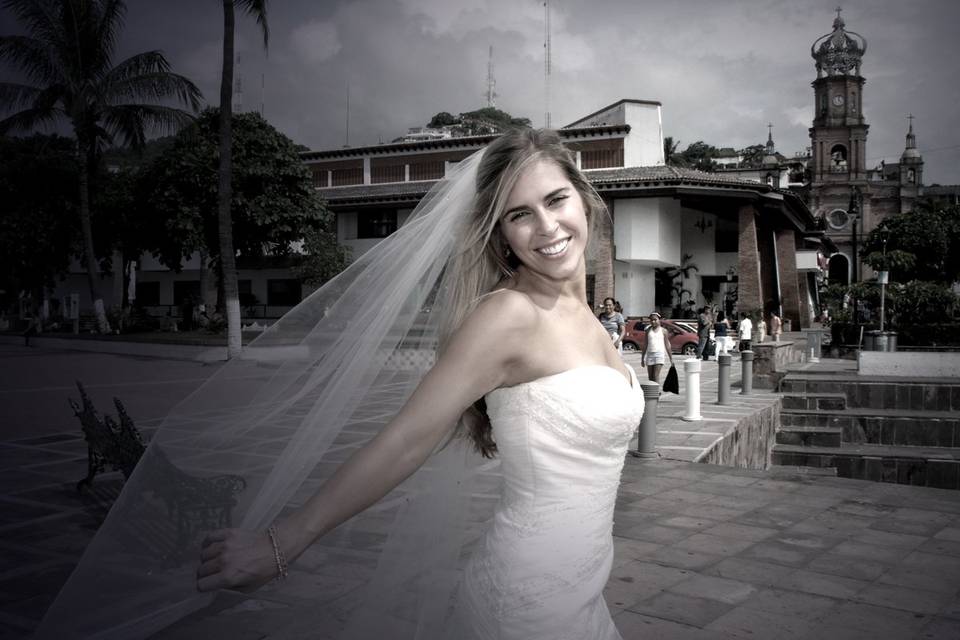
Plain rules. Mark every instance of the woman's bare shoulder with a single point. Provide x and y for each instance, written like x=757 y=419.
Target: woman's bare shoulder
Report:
x=505 y=310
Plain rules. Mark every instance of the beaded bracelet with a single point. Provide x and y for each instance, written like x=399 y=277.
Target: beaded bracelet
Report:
x=277 y=552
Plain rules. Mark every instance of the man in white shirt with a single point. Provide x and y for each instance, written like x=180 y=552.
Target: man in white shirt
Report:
x=745 y=331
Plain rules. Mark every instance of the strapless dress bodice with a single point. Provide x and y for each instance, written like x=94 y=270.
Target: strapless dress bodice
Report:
x=540 y=569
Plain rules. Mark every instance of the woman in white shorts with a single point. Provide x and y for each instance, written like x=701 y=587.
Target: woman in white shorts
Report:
x=657 y=349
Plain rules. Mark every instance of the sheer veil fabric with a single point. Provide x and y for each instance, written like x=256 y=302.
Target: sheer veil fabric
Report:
x=264 y=432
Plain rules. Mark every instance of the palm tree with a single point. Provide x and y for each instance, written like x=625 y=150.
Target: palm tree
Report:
x=228 y=266
x=67 y=59
x=671 y=151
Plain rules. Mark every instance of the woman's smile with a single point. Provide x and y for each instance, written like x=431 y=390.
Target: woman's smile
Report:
x=556 y=249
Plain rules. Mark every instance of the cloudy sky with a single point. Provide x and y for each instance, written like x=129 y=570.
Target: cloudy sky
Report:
x=722 y=69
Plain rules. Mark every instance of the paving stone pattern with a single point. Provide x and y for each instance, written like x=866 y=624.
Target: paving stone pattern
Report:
x=702 y=551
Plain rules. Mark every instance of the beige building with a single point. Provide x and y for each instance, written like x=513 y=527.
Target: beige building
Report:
x=754 y=244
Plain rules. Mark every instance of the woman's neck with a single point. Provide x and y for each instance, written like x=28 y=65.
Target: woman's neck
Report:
x=536 y=285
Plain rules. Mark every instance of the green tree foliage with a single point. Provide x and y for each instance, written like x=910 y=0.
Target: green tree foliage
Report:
x=753 y=155
x=39 y=227
x=923 y=244
x=443 y=119
x=485 y=121
x=274 y=203
x=322 y=257
x=699 y=155
x=669 y=290
x=493 y=115
x=920 y=250
x=67 y=58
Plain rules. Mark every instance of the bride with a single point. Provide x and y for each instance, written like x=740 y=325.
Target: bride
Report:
x=511 y=361
x=536 y=380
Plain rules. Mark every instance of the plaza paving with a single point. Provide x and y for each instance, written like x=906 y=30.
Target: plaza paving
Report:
x=702 y=551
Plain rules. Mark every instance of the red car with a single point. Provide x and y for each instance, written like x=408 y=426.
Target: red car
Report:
x=682 y=339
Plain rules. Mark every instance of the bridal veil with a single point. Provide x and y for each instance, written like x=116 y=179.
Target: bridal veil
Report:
x=262 y=434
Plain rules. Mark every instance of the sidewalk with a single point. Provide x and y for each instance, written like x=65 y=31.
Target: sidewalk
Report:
x=702 y=551
x=167 y=346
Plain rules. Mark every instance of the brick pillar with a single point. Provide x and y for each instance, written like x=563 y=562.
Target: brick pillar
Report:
x=603 y=255
x=789 y=288
x=749 y=295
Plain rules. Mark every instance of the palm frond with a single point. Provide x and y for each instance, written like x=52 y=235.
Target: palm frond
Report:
x=39 y=17
x=131 y=121
x=147 y=76
x=31 y=56
x=111 y=19
x=30 y=119
x=257 y=9
x=154 y=87
x=15 y=96
x=136 y=65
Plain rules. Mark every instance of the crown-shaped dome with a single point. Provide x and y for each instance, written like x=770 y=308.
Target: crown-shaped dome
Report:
x=839 y=52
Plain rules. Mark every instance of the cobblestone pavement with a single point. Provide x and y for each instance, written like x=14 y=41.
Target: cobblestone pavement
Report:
x=702 y=551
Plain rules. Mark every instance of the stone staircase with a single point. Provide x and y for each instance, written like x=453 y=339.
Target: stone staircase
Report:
x=882 y=429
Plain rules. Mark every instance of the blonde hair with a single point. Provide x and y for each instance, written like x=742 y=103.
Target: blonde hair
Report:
x=481 y=260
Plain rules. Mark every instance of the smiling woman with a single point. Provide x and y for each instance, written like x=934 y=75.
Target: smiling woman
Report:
x=497 y=251
x=545 y=225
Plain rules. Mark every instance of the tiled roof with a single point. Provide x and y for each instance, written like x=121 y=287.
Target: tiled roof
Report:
x=449 y=143
x=626 y=176
x=665 y=174
x=389 y=192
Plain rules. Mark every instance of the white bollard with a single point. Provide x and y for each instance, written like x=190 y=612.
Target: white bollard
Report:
x=691 y=373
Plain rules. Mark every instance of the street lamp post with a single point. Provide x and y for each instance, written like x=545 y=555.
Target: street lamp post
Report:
x=883 y=277
x=856 y=198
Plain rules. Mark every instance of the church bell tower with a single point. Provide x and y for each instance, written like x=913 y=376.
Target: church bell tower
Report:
x=839 y=132
x=840 y=193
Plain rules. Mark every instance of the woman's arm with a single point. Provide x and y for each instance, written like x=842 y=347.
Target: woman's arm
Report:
x=667 y=346
x=477 y=360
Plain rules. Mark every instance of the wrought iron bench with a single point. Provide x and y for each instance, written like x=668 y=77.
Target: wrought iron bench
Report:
x=194 y=503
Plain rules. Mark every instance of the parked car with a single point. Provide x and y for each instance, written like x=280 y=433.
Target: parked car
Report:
x=683 y=340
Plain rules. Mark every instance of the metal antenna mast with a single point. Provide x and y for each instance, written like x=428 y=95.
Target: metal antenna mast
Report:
x=346 y=142
x=491 y=83
x=546 y=59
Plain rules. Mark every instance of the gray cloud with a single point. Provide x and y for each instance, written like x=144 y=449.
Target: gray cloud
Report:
x=722 y=69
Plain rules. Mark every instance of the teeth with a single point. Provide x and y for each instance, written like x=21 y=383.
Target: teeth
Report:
x=555 y=248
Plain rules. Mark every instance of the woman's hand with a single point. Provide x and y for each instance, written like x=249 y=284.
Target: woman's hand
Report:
x=236 y=559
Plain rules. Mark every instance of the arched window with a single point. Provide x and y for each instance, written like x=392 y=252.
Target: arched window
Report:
x=839 y=269
x=838 y=158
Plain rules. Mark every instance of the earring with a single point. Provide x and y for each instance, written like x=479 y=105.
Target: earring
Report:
x=506 y=252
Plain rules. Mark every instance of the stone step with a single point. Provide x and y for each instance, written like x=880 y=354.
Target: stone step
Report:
x=815 y=401
x=890 y=427
x=878 y=392
x=790 y=471
x=810 y=436
x=921 y=466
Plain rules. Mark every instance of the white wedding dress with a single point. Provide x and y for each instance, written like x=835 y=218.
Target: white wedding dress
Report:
x=540 y=570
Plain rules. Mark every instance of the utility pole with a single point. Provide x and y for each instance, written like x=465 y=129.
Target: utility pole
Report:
x=346 y=139
x=546 y=59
